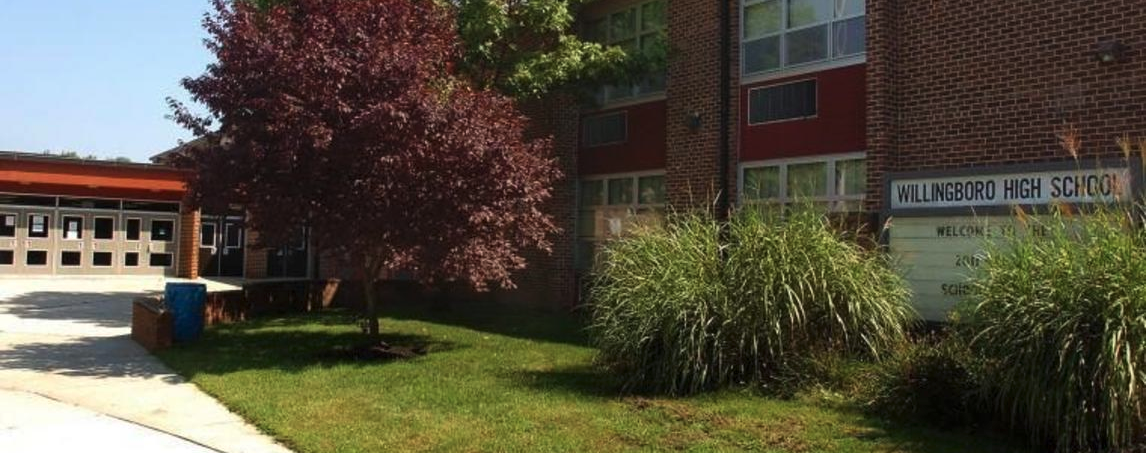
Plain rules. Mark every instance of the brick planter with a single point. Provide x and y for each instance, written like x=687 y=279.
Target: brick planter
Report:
x=150 y=324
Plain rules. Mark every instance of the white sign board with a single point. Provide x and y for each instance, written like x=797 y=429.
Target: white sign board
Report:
x=1071 y=186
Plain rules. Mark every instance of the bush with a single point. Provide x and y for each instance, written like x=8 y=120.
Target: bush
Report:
x=671 y=315
x=933 y=379
x=1060 y=317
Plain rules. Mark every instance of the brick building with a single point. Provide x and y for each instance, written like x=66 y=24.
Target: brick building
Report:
x=835 y=100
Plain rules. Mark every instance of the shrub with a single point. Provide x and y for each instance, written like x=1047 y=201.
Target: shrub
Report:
x=1060 y=317
x=933 y=379
x=677 y=310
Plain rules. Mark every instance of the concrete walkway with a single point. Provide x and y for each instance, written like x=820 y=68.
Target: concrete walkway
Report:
x=68 y=340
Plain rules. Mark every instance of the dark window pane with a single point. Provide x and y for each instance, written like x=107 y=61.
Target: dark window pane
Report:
x=27 y=200
x=153 y=206
x=7 y=225
x=162 y=230
x=160 y=260
x=782 y=102
x=70 y=258
x=131 y=259
x=7 y=257
x=605 y=129
x=132 y=230
x=36 y=258
x=762 y=54
x=207 y=235
x=807 y=45
x=104 y=228
x=89 y=203
x=850 y=37
x=101 y=259
x=38 y=225
x=234 y=235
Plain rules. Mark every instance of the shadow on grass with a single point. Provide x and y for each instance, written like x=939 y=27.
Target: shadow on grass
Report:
x=582 y=380
x=529 y=323
x=290 y=344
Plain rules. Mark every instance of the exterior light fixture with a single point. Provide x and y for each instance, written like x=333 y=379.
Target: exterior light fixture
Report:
x=692 y=120
x=1108 y=52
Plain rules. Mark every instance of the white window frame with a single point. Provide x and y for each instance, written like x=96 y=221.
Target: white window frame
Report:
x=785 y=69
x=765 y=87
x=214 y=234
x=584 y=137
x=47 y=226
x=831 y=197
x=64 y=228
x=635 y=96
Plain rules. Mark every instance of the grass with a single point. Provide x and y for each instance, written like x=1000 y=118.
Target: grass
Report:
x=501 y=380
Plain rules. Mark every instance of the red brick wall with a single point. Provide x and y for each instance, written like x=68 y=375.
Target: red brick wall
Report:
x=839 y=125
x=986 y=83
x=188 y=266
x=693 y=88
x=256 y=258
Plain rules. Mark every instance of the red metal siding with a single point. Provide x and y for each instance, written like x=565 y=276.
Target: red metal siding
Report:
x=644 y=150
x=839 y=126
x=77 y=179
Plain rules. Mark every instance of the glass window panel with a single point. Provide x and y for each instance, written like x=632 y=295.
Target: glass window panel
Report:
x=7 y=257
x=131 y=232
x=763 y=18
x=160 y=260
x=588 y=221
x=592 y=193
x=615 y=92
x=807 y=12
x=653 y=15
x=762 y=54
x=596 y=31
x=782 y=102
x=72 y=227
x=850 y=37
x=38 y=225
x=651 y=190
x=70 y=258
x=207 y=235
x=101 y=259
x=7 y=225
x=233 y=236
x=807 y=45
x=162 y=230
x=851 y=177
x=807 y=180
x=104 y=228
x=621 y=191
x=36 y=258
x=131 y=259
x=847 y=8
x=623 y=25
x=761 y=183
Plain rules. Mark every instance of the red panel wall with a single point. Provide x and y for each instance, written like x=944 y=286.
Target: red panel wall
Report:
x=643 y=151
x=839 y=126
x=58 y=177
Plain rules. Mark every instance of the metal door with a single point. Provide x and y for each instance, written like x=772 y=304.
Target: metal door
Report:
x=105 y=243
x=73 y=242
x=209 y=244
x=9 y=218
x=233 y=236
x=160 y=235
x=133 y=253
x=35 y=241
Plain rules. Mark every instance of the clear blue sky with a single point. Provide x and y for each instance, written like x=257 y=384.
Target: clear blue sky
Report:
x=92 y=76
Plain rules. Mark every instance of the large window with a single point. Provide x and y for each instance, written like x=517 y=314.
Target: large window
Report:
x=837 y=182
x=777 y=34
x=607 y=129
x=782 y=102
x=637 y=28
x=609 y=205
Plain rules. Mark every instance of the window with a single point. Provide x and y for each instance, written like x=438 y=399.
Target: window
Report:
x=7 y=225
x=152 y=206
x=104 y=228
x=639 y=27
x=611 y=205
x=160 y=260
x=605 y=129
x=131 y=259
x=70 y=258
x=89 y=203
x=234 y=236
x=72 y=227
x=131 y=232
x=101 y=259
x=207 y=235
x=838 y=181
x=782 y=102
x=782 y=33
x=36 y=258
x=7 y=257
x=162 y=230
x=38 y=225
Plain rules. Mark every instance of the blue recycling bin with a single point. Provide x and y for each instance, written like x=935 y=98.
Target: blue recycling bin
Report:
x=187 y=303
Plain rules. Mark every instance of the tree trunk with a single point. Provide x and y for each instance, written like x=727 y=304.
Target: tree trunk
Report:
x=371 y=306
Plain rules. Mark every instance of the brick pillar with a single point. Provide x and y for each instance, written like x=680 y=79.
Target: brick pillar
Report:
x=549 y=279
x=882 y=107
x=256 y=257
x=693 y=88
x=188 y=266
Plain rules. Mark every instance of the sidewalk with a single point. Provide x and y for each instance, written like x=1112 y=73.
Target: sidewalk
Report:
x=68 y=341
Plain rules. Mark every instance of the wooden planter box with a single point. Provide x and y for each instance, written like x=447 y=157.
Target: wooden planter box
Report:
x=151 y=324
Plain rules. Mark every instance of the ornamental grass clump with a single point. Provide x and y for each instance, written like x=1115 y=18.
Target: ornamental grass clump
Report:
x=1058 y=312
x=683 y=306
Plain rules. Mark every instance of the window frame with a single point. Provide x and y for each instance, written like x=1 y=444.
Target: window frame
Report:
x=64 y=227
x=95 y=221
x=603 y=93
x=151 y=230
x=15 y=216
x=47 y=235
x=127 y=230
x=784 y=69
x=624 y=114
x=831 y=197
x=631 y=208
x=816 y=104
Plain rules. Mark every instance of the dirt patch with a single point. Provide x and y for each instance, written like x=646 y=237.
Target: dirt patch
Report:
x=375 y=352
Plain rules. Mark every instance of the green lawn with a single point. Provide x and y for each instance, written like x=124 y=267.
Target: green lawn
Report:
x=500 y=380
